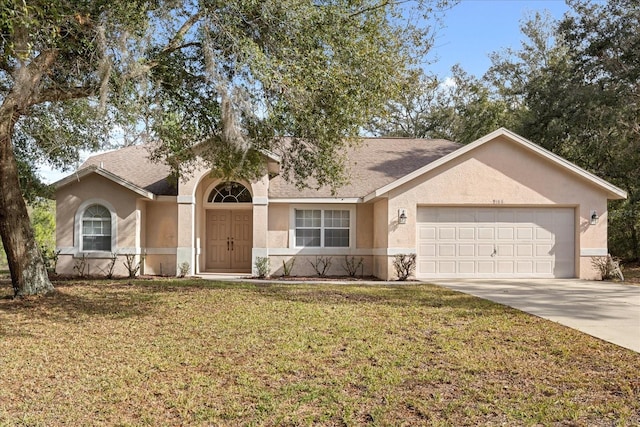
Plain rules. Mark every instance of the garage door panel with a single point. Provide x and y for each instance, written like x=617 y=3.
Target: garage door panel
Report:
x=447 y=233
x=447 y=250
x=466 y=267
x=486 y=216
x=427 y=233
x=524 y=250
x=485 y=250
x=428 y=250
x=486 y=267
x=524 y=267
x=544 y=267
x=496 y=242
x=485 y=233
x=466 y=233
x=427 y=267
x=506 y=216
x=446 y=267
x=505 y=267
x=466 y=250
x=505 y=233
x=544 y=250
x=524 y=233
x=543 y=234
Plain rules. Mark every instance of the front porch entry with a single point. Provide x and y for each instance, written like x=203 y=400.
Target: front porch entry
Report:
x=229 y=240
x=229 y=228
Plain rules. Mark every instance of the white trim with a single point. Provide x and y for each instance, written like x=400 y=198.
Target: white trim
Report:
x=614 y=192
x=594 y=252
x=186 y=200
x=319 y=200
x=322 y=207
x=319 y=251
x=77 y=175
x=340 y=251
x=261 y=201
x=77 y=226
x=399 y=251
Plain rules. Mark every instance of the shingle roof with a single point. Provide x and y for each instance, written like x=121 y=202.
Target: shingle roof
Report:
x=374 y=163
x=132 y=164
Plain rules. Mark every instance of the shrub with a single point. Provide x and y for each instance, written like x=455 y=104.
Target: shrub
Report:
x=288 y=268
x=608 y=267
x=351 y=265
x=132 y=265
x=321 y=265
x=183 y=269
x=80 y=265
x=262 y=266
x=404 y=265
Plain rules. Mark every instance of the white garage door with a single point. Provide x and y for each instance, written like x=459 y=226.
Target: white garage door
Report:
x=495 y=242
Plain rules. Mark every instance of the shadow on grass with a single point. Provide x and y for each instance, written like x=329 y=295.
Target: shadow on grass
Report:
x=140 y=298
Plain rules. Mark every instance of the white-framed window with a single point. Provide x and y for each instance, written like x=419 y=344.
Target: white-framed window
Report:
x=322 y=228
x=95 y=227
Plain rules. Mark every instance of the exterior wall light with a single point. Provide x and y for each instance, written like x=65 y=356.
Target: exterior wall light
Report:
x=594 y=217
x=402 y=216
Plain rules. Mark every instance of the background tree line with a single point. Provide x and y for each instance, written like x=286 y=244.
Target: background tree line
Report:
x=573 y=87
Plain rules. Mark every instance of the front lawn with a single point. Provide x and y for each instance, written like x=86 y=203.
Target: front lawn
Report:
x=168 y=352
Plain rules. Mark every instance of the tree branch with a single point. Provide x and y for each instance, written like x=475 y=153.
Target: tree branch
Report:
x=175 y=43
x=64 y=94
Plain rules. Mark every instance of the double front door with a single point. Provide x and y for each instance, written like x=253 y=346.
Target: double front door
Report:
x=229 y=240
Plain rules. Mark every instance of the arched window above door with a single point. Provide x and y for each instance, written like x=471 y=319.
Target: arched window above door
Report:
x=230 y=192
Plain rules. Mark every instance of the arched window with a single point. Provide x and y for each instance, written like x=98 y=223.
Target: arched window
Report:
x=230 y=192
x=96 y=229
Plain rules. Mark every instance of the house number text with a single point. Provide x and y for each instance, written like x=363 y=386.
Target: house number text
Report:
x=498 y=201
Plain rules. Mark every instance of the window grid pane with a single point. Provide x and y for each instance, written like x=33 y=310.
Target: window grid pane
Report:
x=312 y=226
x=308 y=237
x=96 y=229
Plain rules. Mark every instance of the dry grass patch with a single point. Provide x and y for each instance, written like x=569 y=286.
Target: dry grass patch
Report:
x=204 y=353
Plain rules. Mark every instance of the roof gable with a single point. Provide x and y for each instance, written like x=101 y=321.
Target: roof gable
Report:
x=106 y=174
x=130 y=167
x=612 y=191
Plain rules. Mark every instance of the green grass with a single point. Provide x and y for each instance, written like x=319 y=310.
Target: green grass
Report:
x=171 y=352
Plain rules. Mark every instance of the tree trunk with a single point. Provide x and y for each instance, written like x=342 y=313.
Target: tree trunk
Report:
x=28 y=271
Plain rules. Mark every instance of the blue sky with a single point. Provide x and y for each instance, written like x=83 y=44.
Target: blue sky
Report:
x=473 y=29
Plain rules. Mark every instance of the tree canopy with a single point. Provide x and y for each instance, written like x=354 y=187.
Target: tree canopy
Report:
x=222 y=79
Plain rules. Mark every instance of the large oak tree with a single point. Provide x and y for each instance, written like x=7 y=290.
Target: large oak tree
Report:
x=228 y=77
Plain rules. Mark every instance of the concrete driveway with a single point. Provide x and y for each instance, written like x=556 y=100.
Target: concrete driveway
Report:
x=609 y=311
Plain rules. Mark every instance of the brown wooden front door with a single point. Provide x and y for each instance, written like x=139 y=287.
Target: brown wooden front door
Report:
x=229 y=240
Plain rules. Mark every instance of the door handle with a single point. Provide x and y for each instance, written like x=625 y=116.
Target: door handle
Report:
x=227 y=243
x=232 y=243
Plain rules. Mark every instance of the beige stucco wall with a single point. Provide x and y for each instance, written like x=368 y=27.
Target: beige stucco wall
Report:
x=100 y=190
x=160 y=225
x=501 y=173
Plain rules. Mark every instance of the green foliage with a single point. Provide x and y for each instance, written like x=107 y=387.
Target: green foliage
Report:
x=287 y=267
x=572 y=88
x=262 y=266
x=183 y=269
x=460 y=109
x=43 y=221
